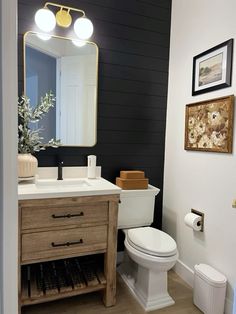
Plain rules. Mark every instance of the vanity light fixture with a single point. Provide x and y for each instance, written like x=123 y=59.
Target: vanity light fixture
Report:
x=46 y=20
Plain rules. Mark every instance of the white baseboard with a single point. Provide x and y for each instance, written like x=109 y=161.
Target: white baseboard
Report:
x=187 y=275
x=184 y=272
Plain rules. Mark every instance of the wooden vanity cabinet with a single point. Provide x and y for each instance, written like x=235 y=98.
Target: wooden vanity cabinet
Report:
x=67 y=228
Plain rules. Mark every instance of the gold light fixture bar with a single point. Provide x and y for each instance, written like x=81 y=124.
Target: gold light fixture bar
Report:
x=46 y=20
x=63 y=17
x=64 y=7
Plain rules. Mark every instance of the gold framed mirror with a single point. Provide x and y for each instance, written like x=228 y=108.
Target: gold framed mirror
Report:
x=69 y=68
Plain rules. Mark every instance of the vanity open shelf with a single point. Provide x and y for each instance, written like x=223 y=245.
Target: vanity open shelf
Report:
x=52 y=280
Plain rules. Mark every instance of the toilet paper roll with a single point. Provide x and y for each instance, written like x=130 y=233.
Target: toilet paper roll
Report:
x=193 y=221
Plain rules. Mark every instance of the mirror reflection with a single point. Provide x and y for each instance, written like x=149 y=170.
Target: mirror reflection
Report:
x=69 y=69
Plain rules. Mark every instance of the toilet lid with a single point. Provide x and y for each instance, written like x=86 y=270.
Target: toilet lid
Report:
x=152 y=241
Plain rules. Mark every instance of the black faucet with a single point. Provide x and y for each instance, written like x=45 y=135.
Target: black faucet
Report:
x=59 y=170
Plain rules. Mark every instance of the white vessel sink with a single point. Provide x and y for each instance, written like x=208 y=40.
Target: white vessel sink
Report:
x=70 y=183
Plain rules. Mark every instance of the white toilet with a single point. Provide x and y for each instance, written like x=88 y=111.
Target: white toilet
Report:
x=149 y=252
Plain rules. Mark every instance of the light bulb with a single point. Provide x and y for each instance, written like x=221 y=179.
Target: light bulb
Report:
x=78 y=43
x=45 y=19
x=83 y=28
x=44 y=36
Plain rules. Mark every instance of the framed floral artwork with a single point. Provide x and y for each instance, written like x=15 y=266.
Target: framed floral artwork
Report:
x=209 y=125
x=212 y=69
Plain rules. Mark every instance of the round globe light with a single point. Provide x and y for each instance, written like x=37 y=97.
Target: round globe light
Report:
x=45 y=19
x=83 y=28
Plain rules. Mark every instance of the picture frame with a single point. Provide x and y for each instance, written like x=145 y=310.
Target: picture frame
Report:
x=209 y=125
x=212 y=69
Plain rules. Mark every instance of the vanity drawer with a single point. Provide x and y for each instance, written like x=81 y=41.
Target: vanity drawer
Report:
x=63 y=215
x=63 y=243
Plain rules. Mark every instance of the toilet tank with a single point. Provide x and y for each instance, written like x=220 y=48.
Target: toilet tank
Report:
x=137 y=207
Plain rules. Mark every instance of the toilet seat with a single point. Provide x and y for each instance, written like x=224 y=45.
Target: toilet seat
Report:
x=152 y=241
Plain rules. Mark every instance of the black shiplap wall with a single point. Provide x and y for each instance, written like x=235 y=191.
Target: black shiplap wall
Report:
x=133 y=39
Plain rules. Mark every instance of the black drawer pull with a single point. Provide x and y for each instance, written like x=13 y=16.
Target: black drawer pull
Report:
x=68 y=215
x=67 y=243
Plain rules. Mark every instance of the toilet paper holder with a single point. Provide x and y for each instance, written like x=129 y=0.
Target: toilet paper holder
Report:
x=197 y=212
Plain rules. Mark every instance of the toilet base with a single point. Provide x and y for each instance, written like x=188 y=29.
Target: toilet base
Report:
x=148 y=287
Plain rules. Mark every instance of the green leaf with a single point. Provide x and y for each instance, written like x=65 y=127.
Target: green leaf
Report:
x=30 y=141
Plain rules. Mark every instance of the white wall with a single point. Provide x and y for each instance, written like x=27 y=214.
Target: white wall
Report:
x=200 y=180
x=8 y=152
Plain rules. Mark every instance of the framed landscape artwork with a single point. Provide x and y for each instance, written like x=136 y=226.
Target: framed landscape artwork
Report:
x=209 y=125
x=212 y=69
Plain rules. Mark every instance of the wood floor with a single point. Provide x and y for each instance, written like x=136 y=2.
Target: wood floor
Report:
x=126 y=304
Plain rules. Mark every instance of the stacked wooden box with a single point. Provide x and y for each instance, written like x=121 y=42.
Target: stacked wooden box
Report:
x=132 y=180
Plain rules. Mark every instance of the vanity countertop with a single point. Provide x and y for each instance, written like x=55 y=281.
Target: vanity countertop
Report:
x=51 y=188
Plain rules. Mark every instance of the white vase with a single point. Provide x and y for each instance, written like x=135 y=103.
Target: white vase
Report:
x=27 y=165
